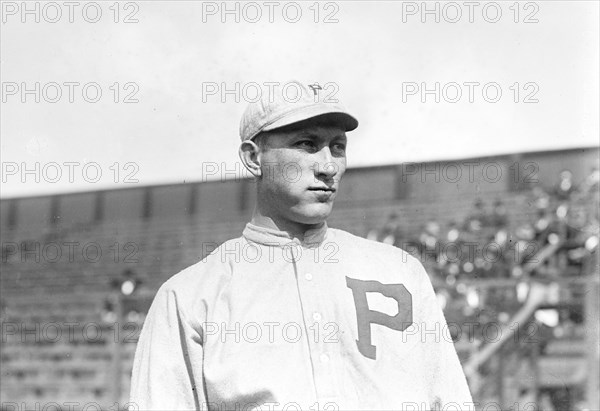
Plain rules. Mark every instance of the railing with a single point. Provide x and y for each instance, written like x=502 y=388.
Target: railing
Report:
x=538 y=294
x=508 y=350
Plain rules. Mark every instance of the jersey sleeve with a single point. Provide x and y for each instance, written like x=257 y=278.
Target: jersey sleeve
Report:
x=167 y=368
x=449 y=388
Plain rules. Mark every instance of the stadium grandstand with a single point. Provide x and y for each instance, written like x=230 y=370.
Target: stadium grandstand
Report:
x=510 y=243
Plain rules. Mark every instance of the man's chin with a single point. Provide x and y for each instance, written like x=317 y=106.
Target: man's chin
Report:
x=314 y=214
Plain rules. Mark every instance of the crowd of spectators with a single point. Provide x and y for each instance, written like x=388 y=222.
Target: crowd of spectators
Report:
x=487 y=244
x=547 y=235
x=482 y=266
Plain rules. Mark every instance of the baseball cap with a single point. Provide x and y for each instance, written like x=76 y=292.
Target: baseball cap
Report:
x=290 y=103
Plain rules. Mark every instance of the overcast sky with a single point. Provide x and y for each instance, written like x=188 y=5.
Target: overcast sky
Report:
x=367 y=53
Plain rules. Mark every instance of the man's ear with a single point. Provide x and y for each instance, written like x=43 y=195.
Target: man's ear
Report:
x=250 y=156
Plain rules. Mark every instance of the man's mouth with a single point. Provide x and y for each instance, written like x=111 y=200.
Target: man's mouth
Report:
x=322 y=189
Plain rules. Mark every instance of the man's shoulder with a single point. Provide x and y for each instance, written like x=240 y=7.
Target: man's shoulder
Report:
x=373 y=248
x=380 y=261
x=212 y=271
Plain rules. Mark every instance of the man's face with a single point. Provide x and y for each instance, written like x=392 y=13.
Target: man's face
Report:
x=301 y=172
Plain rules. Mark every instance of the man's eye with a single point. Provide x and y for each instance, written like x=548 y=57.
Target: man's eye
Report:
x=305 y=144
x=339 y=147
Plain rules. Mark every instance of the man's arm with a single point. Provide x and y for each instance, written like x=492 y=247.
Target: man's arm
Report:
x=449 y=385
x=167 y=369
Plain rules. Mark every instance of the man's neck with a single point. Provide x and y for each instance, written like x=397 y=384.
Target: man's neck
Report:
x=294 y=230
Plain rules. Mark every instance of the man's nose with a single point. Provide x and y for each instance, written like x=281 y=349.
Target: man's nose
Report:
x=325 y=166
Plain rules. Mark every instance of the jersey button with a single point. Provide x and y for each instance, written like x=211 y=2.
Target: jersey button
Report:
x=324 y=358
x=308 y=276
x=317 y=316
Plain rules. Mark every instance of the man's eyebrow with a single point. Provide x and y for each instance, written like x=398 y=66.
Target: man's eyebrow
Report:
x=317 y=139
x=305 y=133
x=313 y=135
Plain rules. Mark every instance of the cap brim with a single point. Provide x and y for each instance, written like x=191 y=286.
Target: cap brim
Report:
x=331 y=115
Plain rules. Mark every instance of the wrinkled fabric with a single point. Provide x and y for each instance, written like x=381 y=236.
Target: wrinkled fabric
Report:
x=328 y=322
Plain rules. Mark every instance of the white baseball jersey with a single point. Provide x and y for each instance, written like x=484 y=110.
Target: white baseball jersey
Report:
x=334 y=322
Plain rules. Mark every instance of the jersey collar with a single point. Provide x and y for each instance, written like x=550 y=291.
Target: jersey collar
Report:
x=272 y=237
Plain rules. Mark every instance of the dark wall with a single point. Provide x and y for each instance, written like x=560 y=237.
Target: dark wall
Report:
x=431 y=181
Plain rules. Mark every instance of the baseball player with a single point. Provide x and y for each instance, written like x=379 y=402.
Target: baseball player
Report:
x=293 y=314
